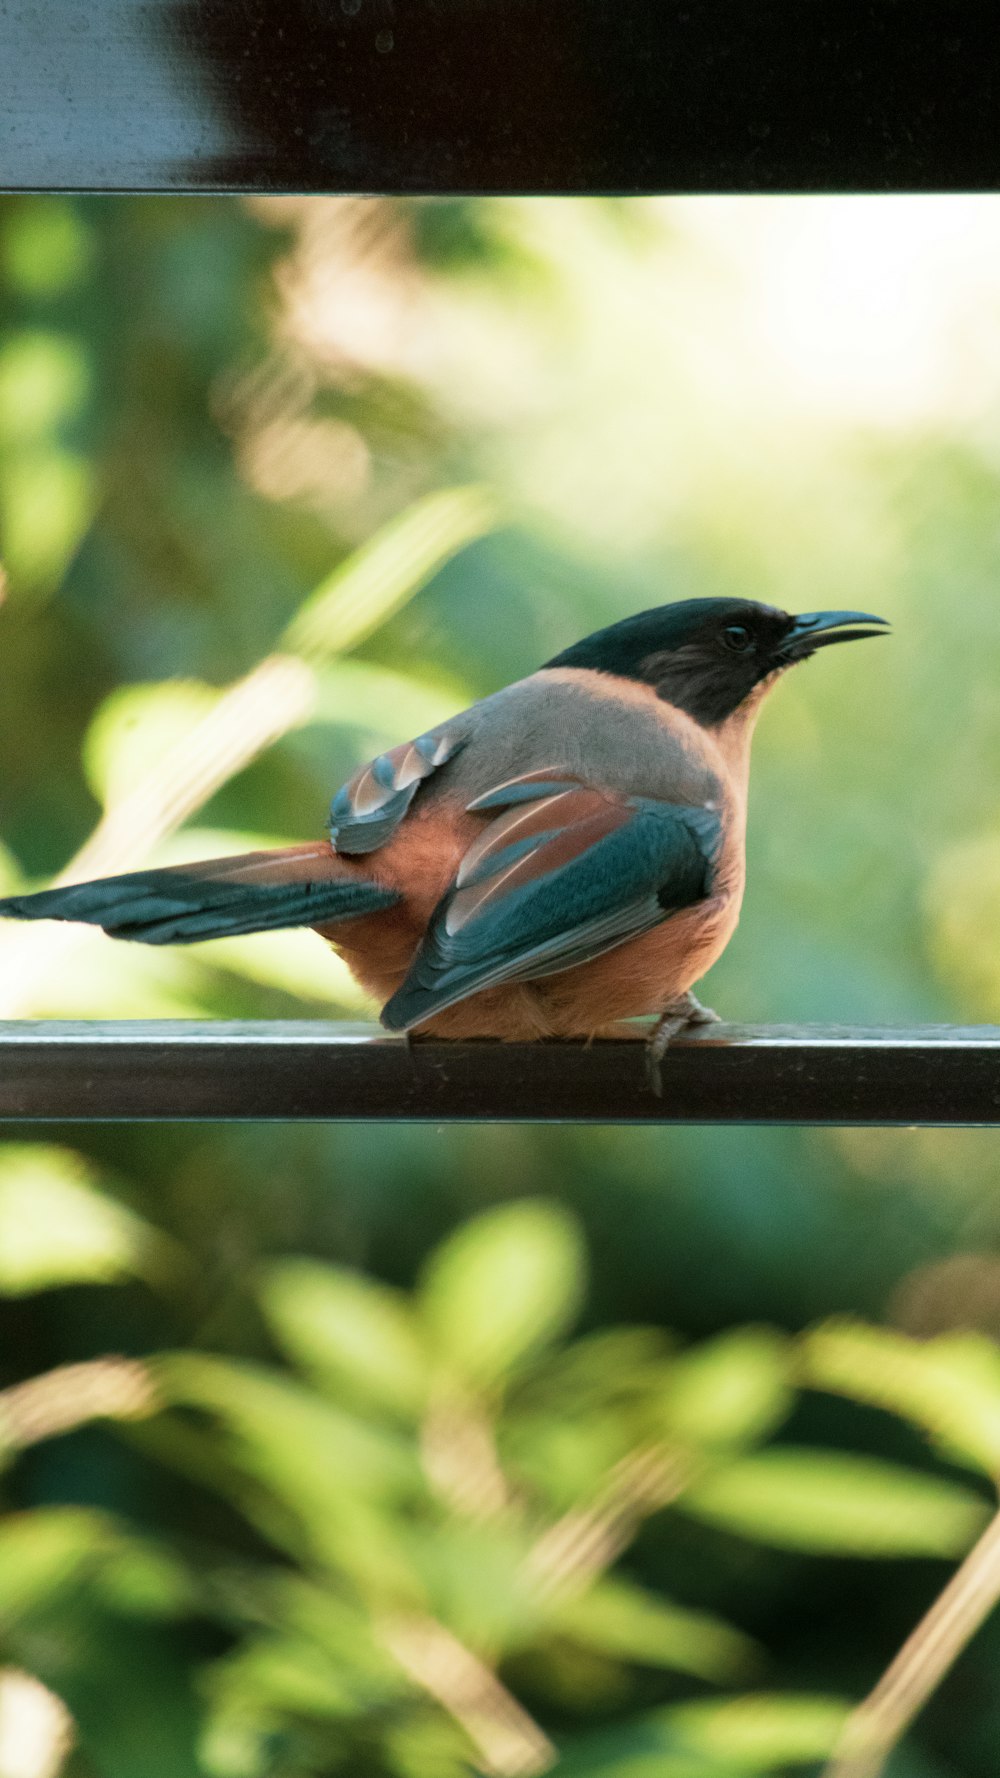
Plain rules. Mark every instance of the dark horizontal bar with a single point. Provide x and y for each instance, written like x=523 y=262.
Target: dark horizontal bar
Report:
x=498 y=95
x=777 y=1074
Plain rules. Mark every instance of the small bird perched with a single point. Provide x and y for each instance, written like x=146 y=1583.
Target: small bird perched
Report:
x=565 y=854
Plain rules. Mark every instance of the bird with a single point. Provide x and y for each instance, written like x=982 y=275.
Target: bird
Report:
x=562 y=857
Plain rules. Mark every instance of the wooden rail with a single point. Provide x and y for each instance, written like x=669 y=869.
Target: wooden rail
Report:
x=187 y=1070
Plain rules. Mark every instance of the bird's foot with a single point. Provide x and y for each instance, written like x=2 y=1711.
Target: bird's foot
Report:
x=681 y=1012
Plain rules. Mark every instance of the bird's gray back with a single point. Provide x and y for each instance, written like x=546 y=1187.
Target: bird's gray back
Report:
x=580 y=724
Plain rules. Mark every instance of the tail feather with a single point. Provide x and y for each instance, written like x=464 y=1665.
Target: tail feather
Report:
x=221 y=898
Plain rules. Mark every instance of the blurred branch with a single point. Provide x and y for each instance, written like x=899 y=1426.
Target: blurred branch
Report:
x=278 y=695
x=509 y=1740
x=584 y=1542
x=460 y=1460
x=61 y=1399
x=459 y=1457
x=875 y=1727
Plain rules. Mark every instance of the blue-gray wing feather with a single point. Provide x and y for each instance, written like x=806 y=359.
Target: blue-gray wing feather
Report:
x=368 y=809
x=647 y=860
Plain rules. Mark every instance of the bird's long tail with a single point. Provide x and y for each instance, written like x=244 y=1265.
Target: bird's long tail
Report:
x=220 y=898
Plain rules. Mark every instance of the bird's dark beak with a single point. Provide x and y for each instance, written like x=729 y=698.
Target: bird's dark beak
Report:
x=817 y=629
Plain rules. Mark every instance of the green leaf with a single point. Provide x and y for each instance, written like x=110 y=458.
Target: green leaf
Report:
x=277 y=1673
x=828 y=1502
x=478 y=1581
x=564 y=1462
x=426 y=1744
x=624 y=1621
x=607 y=1369
x=57 y=1227
x=721 y=1738
x=45 y=1552
x=378 y=578
x=326 y=1615
x=48 y=1553
x=328 y=1485
x=762 y=1731
x=238 y=1741
x=729 y=1391
x=316 y=1658
x=299 y=1442
x=352 y=1335
x=143 y=1579
x=503 y=1287
x=949 y=1386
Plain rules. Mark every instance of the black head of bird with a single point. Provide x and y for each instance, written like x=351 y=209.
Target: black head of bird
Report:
x=707 y=656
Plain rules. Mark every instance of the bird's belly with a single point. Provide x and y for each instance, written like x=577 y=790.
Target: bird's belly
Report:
x=643 y=975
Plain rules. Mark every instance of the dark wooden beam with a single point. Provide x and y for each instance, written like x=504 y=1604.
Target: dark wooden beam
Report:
x=51 y=1071
x=498 y=95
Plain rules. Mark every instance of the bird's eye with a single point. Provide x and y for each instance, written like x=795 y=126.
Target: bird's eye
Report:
x=736 y=638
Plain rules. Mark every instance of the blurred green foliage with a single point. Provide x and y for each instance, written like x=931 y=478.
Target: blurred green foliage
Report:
x=431 y=1452
x=429 y=1503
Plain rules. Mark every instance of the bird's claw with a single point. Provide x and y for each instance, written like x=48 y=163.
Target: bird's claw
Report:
x=685 y=1011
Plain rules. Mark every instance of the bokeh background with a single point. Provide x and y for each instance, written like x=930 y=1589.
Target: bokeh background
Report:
x=399 y=1452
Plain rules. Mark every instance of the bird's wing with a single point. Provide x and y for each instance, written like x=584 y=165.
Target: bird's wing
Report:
x=561 y=874
x=367 y=811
